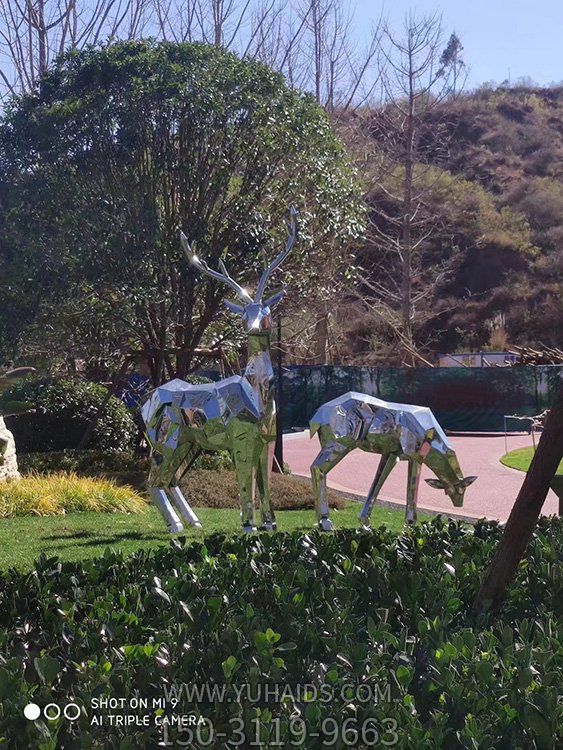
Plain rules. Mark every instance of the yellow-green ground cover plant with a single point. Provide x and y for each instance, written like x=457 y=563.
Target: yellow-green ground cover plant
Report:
x=54 y=494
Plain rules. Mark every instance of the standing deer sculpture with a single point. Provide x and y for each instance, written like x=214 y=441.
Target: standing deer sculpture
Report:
x=396 y=431
x=237 y=414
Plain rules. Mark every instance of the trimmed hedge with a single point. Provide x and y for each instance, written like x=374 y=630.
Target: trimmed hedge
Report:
x=343 y=612
x=99 y=462
x=84 y=463
x=209 y=483
x=63 y=411
x=219 y=489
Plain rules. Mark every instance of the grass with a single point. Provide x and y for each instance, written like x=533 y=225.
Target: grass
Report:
x=213 y=487
x=521 y=458
x=77 y=536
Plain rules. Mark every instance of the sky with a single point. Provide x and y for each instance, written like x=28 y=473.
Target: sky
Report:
x=501 y=39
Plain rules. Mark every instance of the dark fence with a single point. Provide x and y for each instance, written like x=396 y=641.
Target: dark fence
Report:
x=464 y=399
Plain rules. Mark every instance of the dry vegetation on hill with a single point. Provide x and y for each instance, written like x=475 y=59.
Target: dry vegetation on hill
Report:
x=493 y=263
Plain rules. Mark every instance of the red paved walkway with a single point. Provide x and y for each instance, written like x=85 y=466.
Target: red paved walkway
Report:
x=491 y=495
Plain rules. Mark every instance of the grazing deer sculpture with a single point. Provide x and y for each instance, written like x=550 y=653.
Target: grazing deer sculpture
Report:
x=237 y=414
x=396 y=431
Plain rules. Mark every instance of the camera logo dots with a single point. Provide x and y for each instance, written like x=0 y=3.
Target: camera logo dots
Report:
x=32 y=711
x=52 y=711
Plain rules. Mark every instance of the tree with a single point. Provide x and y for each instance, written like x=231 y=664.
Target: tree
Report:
x=451 y=59
x=525 y=513
x=120 y=148
x=34 y=32
x=417 y=75
x=311 y=41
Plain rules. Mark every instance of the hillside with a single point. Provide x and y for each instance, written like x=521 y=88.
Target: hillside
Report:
x=493 y=264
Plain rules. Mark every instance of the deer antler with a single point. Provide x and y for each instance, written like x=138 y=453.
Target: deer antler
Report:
x=279 y=259
x=202 y=266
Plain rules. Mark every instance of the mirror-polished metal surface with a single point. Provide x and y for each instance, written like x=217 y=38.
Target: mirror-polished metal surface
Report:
x=237 y=414
x=397 y=432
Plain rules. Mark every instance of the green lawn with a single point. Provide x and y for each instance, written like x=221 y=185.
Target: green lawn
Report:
x=520 y=459
x=81 y=535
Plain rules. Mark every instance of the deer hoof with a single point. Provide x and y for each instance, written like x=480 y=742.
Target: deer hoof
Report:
x=175 y=528
x=268 y=527
x=325 y=524
x=248 y=529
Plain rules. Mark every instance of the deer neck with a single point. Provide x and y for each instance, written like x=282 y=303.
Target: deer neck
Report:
x=259 y=371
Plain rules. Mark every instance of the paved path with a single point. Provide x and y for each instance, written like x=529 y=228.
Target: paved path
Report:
x=491 y=495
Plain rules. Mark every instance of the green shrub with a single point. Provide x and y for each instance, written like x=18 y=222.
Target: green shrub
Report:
x=87 y=462
x=100 y=463
x=103 y=463
x=209 y=483
x=219 y=489
x=63 y=411
x=66 y=493
x=331 y=612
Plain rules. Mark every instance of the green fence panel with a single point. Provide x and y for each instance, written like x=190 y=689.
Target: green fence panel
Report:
x=463 y=399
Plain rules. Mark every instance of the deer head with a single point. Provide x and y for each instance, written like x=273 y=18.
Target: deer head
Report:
x=256 y=313
x=455 y=490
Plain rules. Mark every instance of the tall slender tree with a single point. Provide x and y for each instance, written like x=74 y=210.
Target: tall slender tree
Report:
x=409 y=140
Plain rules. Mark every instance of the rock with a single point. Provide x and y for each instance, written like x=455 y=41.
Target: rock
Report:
x=8 y=462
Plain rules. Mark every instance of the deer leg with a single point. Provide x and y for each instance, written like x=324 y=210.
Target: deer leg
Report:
x=386 y=464
x=184 y=507
x=164 y=505
x=330 y=455
x=263 y=486
x=158 y=495
x=412 y=491
x=182 y=461
x=246 y=474
x=163 y=474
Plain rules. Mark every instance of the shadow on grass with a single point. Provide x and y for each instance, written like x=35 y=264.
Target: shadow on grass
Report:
x=92 y=539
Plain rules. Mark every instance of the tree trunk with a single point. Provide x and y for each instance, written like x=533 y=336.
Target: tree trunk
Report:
x=321 y=339
x=406 y=244
x=525 y=513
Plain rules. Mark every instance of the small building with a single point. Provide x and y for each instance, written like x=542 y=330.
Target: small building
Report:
x=478 y=359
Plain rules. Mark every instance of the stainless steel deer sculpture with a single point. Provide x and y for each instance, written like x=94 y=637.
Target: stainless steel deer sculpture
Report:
x=398 y=432
x=237 y=414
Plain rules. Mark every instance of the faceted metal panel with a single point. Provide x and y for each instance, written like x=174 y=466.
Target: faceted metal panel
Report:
x=397 y=432
x=237 y=414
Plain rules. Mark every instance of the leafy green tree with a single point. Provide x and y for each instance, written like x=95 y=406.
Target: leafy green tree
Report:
x=121 y=147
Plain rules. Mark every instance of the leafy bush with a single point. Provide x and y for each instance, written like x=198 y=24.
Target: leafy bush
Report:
x=99 y=463
x=219 y=489
x=65 y=493
x=63 y=411
x=88 y=462
x=211 y=481
x=331 y=612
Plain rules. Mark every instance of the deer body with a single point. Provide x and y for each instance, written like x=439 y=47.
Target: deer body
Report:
x=397 y=432
x=237 y=414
